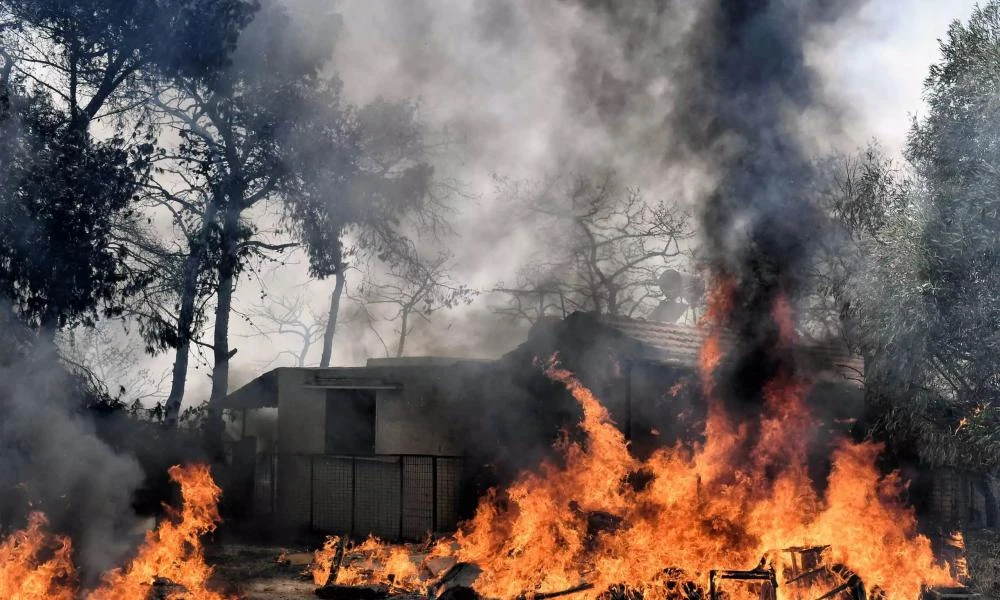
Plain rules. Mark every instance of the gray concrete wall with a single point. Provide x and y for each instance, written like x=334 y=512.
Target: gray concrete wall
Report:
x=301 y=424
x=412 y=420
x=302 y=414
x=415 y=420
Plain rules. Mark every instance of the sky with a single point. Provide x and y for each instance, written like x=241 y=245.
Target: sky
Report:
x=880 y=65
x=502 y=81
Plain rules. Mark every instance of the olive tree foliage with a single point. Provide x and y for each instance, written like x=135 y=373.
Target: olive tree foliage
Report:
x=914 y=269
x=868 y=204
x=955 y=149
x=606 y=248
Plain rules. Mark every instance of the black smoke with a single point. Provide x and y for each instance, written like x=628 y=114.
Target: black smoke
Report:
x=749 y=85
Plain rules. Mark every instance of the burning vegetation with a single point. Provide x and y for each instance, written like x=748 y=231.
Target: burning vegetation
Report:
x=601 y=523
x=36 y=565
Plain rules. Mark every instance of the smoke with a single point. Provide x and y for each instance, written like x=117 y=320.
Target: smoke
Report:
x=742 y=112
x=52 y=460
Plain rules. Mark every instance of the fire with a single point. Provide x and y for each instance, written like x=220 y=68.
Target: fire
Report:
x=372 y=562
x=35 y=565
x=599 y=519
x=742 y=494
x=173 y=551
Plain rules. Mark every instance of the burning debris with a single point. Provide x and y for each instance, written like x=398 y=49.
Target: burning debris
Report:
x=170 y=564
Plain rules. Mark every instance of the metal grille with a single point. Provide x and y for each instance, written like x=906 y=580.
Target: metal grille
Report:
x=377 y=493
x=293 y=482
x=449 y=474
x=332 y=493
x=263 y=485
x=418 y=496
x=391 y=496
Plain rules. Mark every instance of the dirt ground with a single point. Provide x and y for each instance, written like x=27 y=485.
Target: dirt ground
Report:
x=253 y=573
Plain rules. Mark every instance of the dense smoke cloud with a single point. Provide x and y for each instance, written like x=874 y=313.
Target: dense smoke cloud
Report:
x=52 y=460
x=758 y=225
x=678 y=98
x=534 y=89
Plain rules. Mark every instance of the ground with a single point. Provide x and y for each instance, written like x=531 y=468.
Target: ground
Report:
x=254 y=573
x=984 y=561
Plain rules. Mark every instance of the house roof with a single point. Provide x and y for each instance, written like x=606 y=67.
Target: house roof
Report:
x=681 y=344
x=262 y=392
x=378 y=374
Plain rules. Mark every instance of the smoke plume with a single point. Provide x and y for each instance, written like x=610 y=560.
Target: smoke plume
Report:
x=742 y=113
x=52 y=460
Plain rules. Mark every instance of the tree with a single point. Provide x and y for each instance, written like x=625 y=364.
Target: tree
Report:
x=110 y=365
x=606 y=248
x=67 y=65
x=247 y=134
x=290 y=316
x=955 y=149
x=869 y=204
x=914 y=271
x=410 y=290
x=62 y=194
x=390 y=195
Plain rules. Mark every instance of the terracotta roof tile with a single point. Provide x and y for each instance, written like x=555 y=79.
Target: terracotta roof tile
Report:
x=682 y=343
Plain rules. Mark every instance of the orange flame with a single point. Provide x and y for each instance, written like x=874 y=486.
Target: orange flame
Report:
x=741 y=494
x=372 y=562
x=705 y=507
x=173 y=551
x=35 y=565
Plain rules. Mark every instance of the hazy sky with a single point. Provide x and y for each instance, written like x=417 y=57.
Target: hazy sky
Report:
x=503 y=78
x=880 y=66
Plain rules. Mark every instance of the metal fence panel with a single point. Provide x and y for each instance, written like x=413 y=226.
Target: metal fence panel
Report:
x=332 y=494
x=391 y=496
x=449 y=477
x=418 y=496
x=377 y=494
x=294 y=482
x=263 y=485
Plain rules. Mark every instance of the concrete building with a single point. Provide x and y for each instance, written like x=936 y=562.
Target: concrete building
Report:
x=396 y=447
x=354 y=450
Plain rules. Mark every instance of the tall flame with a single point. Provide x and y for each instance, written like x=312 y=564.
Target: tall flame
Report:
x=173 y=551
x=35 y=565
x=724 y=502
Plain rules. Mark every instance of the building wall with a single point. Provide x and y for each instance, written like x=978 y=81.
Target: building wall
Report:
x=301 y=425
x=414 y=420
x=302 y=414
x=958 y=499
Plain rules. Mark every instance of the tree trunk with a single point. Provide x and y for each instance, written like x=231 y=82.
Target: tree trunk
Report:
x=185 y=320
x=331 y=322
x=402 y=333
x=228 y=261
